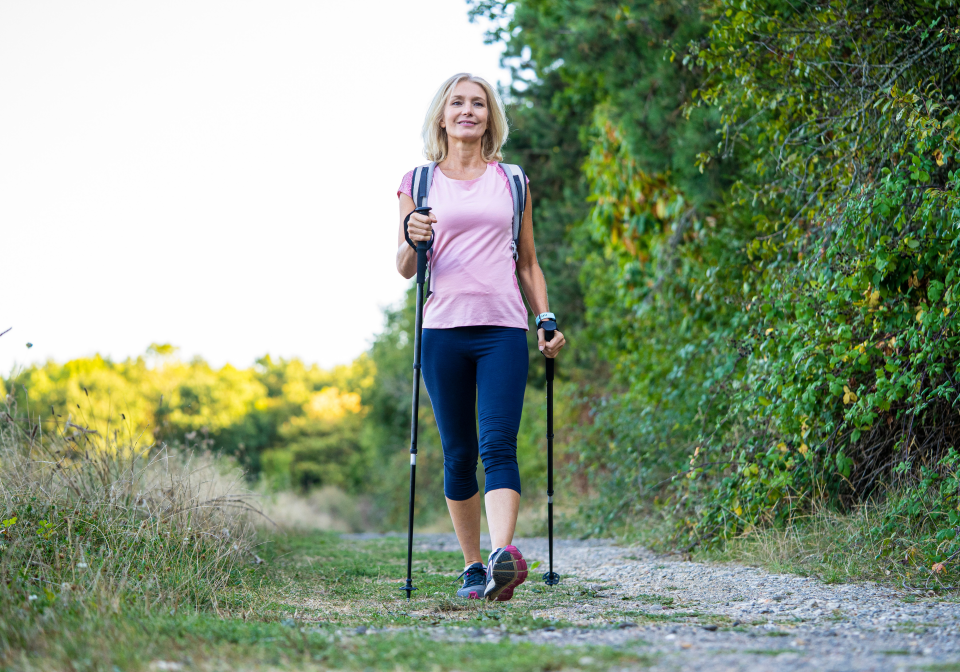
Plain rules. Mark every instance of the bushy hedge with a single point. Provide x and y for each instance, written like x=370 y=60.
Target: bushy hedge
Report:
x=844 y=118
x=770 y=260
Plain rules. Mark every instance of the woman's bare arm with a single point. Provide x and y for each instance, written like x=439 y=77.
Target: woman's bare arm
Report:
x=531 y=278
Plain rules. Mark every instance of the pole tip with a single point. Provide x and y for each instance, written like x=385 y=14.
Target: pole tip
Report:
x=551 y=578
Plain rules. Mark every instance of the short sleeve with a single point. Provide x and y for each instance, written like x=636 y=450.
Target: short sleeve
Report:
x=406 y=185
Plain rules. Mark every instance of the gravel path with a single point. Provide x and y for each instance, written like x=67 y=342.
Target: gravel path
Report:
x=741 y=618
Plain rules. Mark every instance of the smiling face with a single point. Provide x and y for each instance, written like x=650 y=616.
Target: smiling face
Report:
x=465 y=114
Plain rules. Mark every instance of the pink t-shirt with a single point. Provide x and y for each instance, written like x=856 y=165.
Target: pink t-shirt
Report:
x=474 y=278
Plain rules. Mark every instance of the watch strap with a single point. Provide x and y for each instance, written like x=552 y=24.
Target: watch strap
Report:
x=545 y=316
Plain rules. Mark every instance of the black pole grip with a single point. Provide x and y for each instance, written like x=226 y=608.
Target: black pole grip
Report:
x=420 y=211
x=549 y=330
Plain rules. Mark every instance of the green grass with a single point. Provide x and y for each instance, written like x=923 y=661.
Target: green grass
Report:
x=205 y=640
x=643 y=598
x=837 y=548
x=115 y=559
x=302 y=609
x=833 y=546
x=349 y=583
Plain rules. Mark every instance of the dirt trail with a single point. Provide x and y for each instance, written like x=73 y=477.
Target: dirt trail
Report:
x=696 y=616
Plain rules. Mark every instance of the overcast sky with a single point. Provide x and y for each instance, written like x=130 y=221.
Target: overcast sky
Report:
x=218 y=175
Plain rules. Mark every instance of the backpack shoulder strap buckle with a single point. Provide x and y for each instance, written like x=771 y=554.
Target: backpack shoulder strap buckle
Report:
x=518 y=190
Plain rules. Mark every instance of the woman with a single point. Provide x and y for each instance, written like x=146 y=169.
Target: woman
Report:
x=474 y=323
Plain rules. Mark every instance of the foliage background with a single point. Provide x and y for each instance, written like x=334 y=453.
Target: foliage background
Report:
x=768 y=262
x=747 y=213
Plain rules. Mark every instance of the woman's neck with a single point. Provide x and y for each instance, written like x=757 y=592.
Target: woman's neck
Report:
x=463 y=159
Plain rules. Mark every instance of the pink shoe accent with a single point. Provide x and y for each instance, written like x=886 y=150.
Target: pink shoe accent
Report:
x=474 y=595
x=507 y=592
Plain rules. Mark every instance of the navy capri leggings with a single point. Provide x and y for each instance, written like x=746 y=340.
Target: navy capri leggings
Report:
x=471 y=374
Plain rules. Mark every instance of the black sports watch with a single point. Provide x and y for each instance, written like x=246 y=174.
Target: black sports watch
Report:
x=542 y=317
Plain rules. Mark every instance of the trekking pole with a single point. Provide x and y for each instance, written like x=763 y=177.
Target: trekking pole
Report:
x=421 y=247
x=551 y=578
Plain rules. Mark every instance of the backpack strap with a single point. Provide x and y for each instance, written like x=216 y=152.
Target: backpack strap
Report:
x=422 y=180
x=518 y=190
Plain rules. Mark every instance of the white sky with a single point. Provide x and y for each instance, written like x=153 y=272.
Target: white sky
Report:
x=219 y=175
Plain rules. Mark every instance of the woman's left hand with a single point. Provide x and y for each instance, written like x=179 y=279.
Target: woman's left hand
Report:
x=552 y=347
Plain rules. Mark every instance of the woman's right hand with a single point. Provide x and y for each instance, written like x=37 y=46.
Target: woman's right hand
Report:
x=420 y=227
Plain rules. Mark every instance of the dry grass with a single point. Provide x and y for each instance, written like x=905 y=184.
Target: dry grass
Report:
x=838 y=547
x=823 y=543
x=89 y=526
x=328 y=509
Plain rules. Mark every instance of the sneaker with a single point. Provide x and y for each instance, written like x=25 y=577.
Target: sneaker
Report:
x=474 y=580
x=506 y=570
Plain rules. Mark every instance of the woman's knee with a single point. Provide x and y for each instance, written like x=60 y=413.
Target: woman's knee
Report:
x=502 y=476
x=460 y=474
x=497 y=457
x=460 y=487
x=500 y=466
x=460 y=462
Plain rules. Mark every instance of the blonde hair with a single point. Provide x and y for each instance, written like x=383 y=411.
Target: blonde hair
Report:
x=435 y=136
